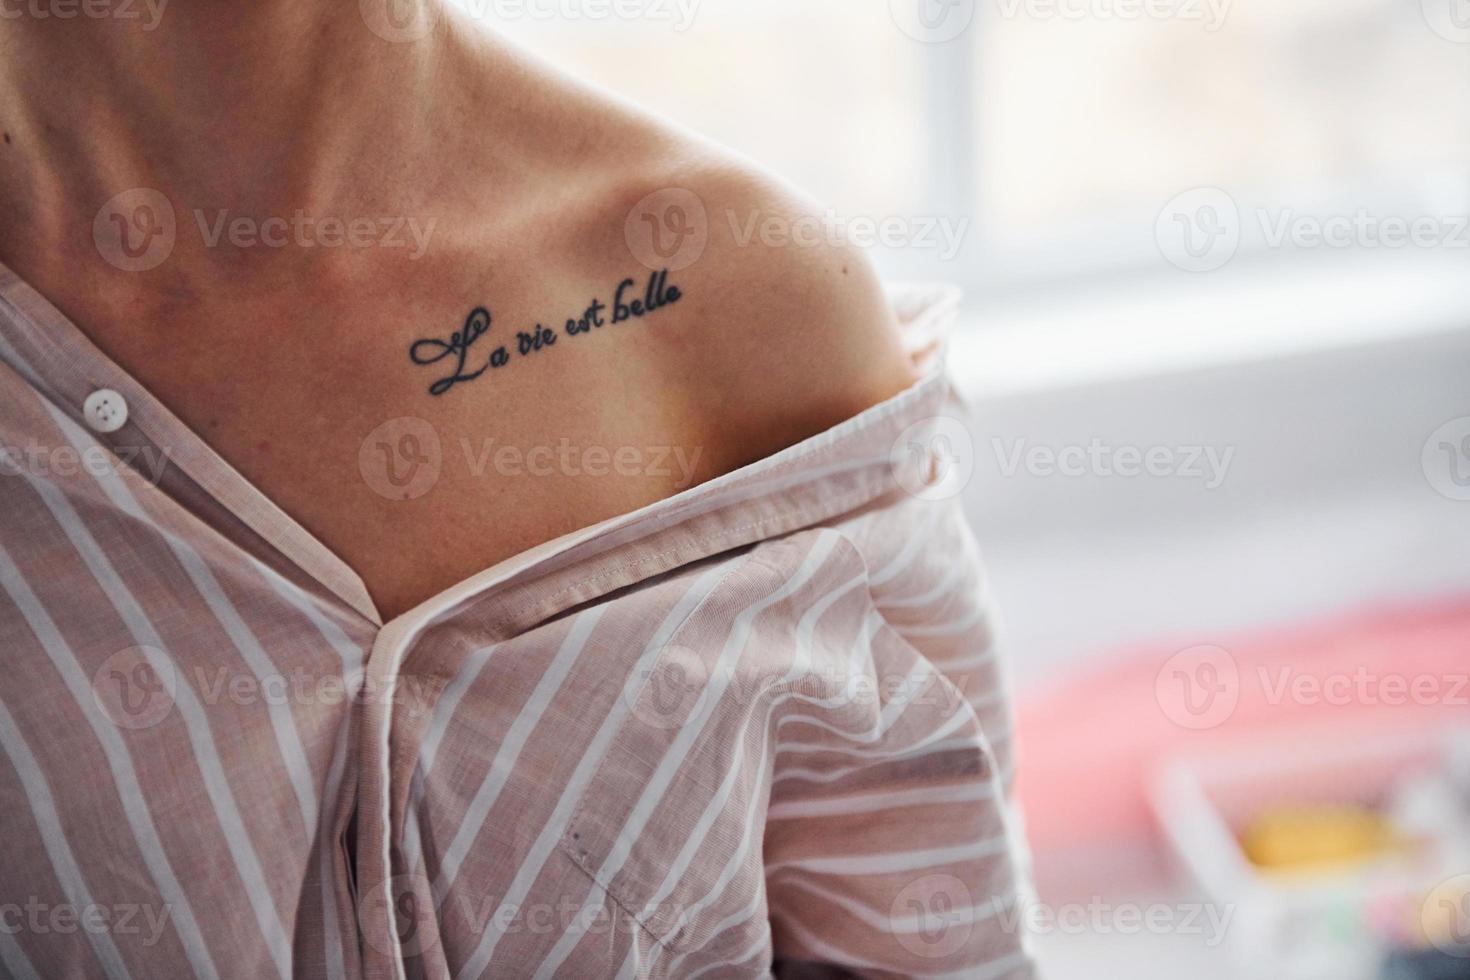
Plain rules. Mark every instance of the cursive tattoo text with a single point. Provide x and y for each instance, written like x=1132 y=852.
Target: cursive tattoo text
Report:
x=469 y=365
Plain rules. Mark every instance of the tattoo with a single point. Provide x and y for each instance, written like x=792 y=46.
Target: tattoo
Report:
x=467 y=367
x=425 y=352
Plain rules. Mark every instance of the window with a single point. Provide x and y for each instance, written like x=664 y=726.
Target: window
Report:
x=1046 y=139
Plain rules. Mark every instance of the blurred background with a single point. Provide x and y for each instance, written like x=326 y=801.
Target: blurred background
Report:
x=1216 y=336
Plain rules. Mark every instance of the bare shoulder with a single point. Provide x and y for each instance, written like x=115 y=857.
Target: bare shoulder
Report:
x=779 y=332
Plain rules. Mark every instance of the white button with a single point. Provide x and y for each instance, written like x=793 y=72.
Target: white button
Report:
x=105 y=410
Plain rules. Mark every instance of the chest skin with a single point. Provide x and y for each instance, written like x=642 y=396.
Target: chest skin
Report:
x=424 y=436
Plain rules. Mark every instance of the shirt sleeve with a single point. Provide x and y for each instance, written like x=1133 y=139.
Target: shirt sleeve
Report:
x=891 y=848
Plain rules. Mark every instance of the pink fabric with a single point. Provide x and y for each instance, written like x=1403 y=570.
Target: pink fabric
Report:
x=761 y=722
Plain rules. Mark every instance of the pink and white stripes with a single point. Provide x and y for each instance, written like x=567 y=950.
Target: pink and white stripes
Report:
x=762 y=722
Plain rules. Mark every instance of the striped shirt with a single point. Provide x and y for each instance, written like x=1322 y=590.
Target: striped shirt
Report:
x=755 y=728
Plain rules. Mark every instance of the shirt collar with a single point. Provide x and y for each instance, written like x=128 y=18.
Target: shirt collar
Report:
x=838 y=471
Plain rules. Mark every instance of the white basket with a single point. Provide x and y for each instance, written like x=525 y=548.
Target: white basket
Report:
x=1305 y=926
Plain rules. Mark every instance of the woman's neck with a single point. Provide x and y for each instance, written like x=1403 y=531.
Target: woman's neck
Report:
x=264 y=108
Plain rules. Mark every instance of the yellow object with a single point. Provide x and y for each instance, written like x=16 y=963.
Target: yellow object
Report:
x=1292 y=837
